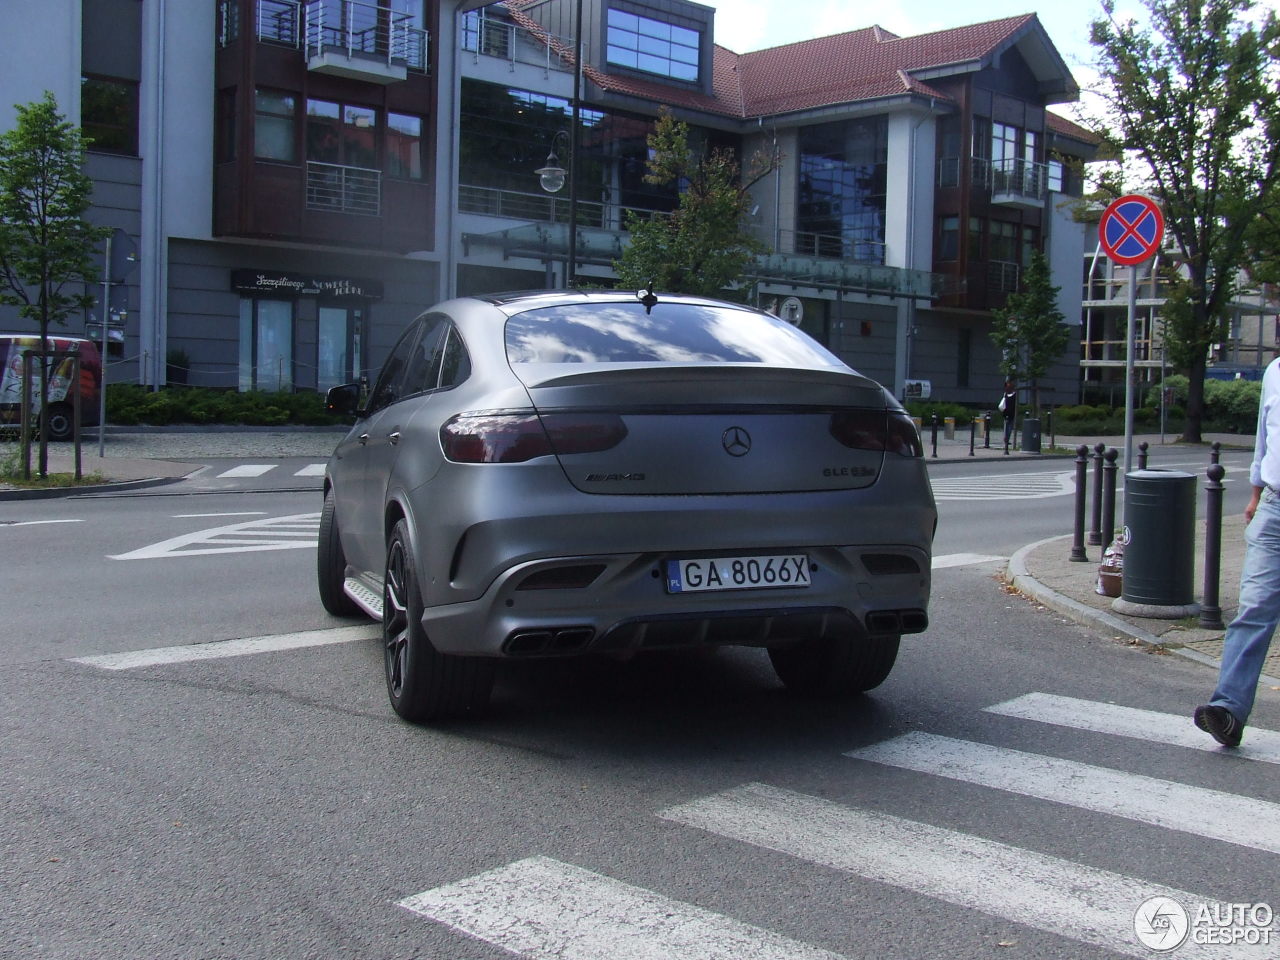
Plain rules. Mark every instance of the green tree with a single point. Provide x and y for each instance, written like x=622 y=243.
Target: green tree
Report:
x=46 y=246
x=1029 y=330
x=1192 y=98
x=703 y=247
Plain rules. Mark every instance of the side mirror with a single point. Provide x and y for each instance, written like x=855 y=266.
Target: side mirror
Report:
x=343 y=399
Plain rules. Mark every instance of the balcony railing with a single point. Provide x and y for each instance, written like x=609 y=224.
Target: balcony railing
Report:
x=828 y=246
x=481 y=34
x=347 y=26
x=339 y=189
x=1018 y=181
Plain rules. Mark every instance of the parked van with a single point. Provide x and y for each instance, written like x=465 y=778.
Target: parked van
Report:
x=61 y=413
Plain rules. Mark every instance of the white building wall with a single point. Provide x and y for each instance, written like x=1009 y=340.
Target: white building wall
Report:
x=40 y=51
x=909 y=204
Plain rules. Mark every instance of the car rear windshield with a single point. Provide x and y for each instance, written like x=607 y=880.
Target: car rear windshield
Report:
x=671 y=333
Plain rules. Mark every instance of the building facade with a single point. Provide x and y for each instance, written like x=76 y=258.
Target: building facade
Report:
x=302 y=177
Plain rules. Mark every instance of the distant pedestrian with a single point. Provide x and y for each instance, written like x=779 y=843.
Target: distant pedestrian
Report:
x=1009 y=409
x=1249 y=634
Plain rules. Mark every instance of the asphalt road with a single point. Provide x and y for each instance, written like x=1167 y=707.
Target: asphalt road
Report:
x=271 y=805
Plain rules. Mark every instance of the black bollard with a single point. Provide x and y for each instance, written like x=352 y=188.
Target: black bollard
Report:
x=1210 y=611
x=1082 y=473
x=986 y=431
x=1142 y=455
x=1095 y=530
x=1215 y=452
x=973 y=434
x=1053 y=441
x=935 y=435
x=1109 y=495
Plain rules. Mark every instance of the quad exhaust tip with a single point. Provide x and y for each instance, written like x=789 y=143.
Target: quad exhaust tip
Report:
x=897 y=621
x=547 y=641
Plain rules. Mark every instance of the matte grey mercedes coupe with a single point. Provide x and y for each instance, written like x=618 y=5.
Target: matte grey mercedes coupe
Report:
x=553 y=474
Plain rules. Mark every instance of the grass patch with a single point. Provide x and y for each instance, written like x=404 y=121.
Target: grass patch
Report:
x=11 y=474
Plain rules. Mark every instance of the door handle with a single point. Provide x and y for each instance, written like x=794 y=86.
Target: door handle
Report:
x=363 y=438
x=394 y=436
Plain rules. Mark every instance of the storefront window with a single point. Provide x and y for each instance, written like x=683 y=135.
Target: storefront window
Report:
x=266 y=344
x=338 y=346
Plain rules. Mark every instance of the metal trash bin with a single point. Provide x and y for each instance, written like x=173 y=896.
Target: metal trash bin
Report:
x=1031 y=435
x=1159 y=552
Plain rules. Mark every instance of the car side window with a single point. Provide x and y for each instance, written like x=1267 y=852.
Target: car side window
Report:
x=456 y=364
x=390 y=383
x=424 y=362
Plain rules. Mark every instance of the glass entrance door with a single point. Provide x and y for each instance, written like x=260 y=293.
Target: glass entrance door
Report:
x=338 y=346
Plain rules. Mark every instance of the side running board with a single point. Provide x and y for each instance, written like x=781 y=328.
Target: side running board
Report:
x=370 y=601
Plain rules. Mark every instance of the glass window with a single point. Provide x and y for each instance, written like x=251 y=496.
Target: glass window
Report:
x=1030 y=243
x=456 y=363
x=339 y=334
x=1004 y=241
x=1004 y=142
x=359 y=137
x=109 y=114
x=625 y=332
x=404 y=146
x=275 y=119
x=843 y=189
x=423 y=366
x=324 y=139
x=389 y=387
x=949 y=238
x=653 y=46
x=266 y=344
x=1055 y=176
x=1029 y=146
x=974 y=247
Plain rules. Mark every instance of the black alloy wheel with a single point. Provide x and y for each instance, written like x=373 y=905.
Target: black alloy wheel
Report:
x=422 y=683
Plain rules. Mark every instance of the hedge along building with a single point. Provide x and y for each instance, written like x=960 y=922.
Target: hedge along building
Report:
x=302 y=178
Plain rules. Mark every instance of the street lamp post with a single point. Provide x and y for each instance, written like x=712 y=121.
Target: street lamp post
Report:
x=552 y=176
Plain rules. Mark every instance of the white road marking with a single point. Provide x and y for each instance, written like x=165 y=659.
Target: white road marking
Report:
x=227 y=648
x=1004 y=486
x=1169 y=728
x=247 y=470
x=236 y=513
x=35 y=523
x=296 y=532
x=1048 y=893
x=963 y=559
x=1239 y=820
x=543 y=908
x=311 y=470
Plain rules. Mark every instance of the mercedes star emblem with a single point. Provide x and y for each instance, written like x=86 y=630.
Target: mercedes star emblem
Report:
x=737 y=442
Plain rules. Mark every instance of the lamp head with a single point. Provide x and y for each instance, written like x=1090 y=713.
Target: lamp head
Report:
x=551 y=176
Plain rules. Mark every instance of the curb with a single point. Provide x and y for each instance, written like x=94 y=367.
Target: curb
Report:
x=1022 y=581
x=122 y=486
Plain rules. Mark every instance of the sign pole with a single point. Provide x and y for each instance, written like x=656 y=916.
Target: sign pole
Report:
x=102 y=376
x=1128 y=370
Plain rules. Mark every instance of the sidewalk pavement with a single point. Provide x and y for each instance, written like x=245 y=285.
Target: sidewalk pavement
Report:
x=1041 y=571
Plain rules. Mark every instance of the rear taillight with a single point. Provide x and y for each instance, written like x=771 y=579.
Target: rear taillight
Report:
x=903 y=437
x=881 y=430
x=518 y=437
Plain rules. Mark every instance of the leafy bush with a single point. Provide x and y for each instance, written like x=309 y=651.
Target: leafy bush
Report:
x=925 y=409
x=1229 y=405
x=130 y=404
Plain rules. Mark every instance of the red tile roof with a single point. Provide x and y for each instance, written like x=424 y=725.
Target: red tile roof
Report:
x=866 y=64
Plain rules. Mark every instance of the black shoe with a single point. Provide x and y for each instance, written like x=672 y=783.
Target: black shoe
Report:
x=1220 y=723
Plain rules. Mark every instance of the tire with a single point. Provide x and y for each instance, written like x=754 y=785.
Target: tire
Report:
x=839 y=666
x=331 y=564
x=422 y=683
x=61 y=422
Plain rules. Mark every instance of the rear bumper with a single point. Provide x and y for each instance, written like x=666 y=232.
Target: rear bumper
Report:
x=626 y=606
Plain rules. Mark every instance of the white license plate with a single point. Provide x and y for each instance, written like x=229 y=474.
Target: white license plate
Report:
x=737 y=573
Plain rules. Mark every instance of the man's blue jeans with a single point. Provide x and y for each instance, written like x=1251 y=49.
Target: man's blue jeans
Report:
x=1249 y=634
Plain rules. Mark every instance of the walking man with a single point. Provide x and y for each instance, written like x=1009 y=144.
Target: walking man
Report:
x=1249 y=634
x=1009 y=407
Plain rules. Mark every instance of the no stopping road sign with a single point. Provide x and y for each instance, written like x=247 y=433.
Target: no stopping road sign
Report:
x=1131 y=229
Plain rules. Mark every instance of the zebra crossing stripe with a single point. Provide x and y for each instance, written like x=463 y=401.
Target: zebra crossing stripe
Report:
x=543 y=908
x=1048 y=893
x=296 y=532
x=1167 y=728
x=247 y=470
x=226 y=648
x=1174 y=806
x=1026 y=486
x=311 y=470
